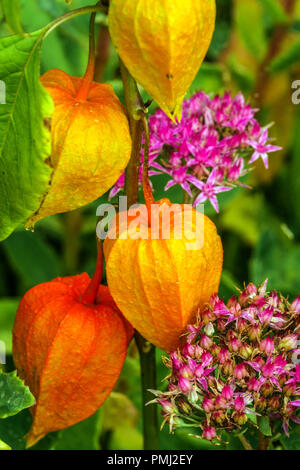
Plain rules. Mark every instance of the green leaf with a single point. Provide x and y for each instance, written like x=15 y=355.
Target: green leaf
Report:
x=25 y=139
x=8 y=308
x=33 y=259
x=274 y=11
x=13 y=429
x=286 y=58
x=14 y=395
x=4 y=446
x=82 y=436
x=249 y=12
x=209 y=79
x=294 y=173
x=278 y=259
x=292 y=442
x=264 y=426
x=12 y=14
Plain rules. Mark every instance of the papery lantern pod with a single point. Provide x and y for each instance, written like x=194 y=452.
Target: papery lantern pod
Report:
x=163 y=43
x=68 y=349
x=160 y=283
x=91 y=143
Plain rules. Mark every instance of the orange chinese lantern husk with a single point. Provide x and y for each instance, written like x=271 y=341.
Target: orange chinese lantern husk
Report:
x=68 y=352
x=91 y=143
x=158 y=284
x=163 y=43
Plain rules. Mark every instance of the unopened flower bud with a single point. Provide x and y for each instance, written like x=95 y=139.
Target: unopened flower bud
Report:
x=240 y=418
x=167 y=406
x=220 y=402
x=185 y=385
x=267 y=389
x=273 y=403
x=215 y=349
x=267 y=346
x=185 y=407
x=209 y=329
x=227 y=392
x=207 y=404
x=207 y=316
x=254 y=332
x=221 y=324
x=289 y=389
x=240 y=371
x=219 y=416
x=245 y=351
x=288 y=342
x=209 y=433
x=189 y=350
x=260 y=404
x=186 y=372
x=295 y=306
x=234 y=344
x=242 y=325
x=228 y=367
x=223 y=356
x=253 y=385
x=239 y=403
x=206 y=342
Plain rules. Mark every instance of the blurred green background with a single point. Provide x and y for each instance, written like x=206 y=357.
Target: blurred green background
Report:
x=256 y=50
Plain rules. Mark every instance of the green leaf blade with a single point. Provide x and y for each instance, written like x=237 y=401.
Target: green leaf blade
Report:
x=25 y=138
x=14 y=395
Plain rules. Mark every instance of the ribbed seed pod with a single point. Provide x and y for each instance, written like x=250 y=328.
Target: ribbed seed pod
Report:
x=163 y=43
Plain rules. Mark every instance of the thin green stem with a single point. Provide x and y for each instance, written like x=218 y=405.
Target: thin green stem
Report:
x=134 y=106
x=85 y=87
x=246 y=444
x=135 y=112
x=148 y=378
x=263 y=441
x=73 y=14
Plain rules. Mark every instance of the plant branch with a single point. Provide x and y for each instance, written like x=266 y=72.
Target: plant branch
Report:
x=134 y=106
x=245 y=442
x=137 y=121
x=148 y=372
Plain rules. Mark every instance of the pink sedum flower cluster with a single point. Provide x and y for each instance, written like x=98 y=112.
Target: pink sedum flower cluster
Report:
x=239 y=361
x=208 y=151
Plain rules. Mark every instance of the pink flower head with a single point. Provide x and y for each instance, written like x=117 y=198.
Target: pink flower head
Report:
x=209 y=150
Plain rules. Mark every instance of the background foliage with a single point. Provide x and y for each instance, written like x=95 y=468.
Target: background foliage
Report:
x=256 y=50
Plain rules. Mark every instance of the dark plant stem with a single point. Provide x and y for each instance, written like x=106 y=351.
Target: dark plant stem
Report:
x=275 y=43
x=263 y=441
x=246 y=444
x=148 y=378
x=135 y=112
x=102 y=54
x=134 y=106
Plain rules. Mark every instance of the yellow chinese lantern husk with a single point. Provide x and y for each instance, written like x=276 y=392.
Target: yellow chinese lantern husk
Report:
x=158 y=284
x=163 y=44
x=91 y=143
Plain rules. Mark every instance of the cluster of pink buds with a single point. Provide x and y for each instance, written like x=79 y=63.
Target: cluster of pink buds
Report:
x=208 y=151
x=240 y=361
